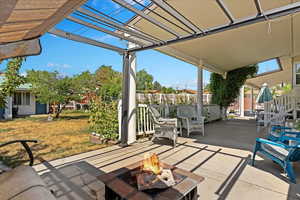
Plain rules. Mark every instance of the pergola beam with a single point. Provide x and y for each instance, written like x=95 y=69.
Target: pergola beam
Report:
x=116 y=25
x=268 y=15
x=85 y=40
x=118 y=35
x=174 y=13
x=226 y=10
x=147 y=17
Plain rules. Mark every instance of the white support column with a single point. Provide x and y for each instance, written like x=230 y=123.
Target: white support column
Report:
x=132 y=99
x=128 y=124
x=200 y=91
x=252 y=101
x=8 y=109
x=242 y=102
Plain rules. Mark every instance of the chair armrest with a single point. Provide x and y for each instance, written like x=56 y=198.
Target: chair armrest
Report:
x=274 y=127
x=261 y=140
x=285 y=138
x=184 y=118
x=201 y=118
x=25 y=145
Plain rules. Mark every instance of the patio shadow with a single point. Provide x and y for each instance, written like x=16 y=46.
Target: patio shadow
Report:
x=77 y=181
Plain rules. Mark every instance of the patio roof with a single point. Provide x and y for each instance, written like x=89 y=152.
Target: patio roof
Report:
x=27 y=19
x=219 y=35
x=233 y=47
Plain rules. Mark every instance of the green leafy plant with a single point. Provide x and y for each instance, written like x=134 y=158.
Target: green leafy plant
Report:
x=12 y=79
x=104 y=118
x=226 y=90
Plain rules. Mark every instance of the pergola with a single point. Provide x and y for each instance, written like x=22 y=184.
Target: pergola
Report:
x=216 y=35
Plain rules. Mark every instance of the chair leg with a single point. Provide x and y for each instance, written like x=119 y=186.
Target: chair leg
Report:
x=253 y=157
x=174 y=141
x=290 y=172
x=203 y=130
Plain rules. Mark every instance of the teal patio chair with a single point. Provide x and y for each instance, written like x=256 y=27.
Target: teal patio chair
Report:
x=276 y=132
x=280 y=153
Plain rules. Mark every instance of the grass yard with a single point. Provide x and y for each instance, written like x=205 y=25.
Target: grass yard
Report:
x=66 y=136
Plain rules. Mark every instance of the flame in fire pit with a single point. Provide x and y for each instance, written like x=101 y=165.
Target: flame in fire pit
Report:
x=151 y=163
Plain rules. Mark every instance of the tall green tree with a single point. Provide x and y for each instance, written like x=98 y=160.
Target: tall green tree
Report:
x=86 y=82
x=156 y=85
x=109 y=83
x=11 y=80
x=144 y=80
x=51 y=87
x=225 y=91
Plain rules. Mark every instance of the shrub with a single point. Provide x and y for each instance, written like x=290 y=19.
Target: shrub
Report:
x=104 y=118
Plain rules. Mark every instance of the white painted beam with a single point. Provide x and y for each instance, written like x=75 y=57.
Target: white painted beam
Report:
x=85 y=40
x=173 y=12
x=147 y=17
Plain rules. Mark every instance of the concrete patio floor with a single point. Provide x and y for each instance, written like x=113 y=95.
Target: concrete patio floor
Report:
x=222 y=156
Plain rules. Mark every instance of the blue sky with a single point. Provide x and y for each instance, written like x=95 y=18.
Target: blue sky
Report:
x=69 y=57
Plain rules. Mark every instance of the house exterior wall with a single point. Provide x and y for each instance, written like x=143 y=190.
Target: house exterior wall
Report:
x=295 y=60
x=27 y=109
x=8 y=109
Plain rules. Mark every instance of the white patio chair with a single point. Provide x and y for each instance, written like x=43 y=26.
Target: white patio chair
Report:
x=163 y=127
x=189 y=119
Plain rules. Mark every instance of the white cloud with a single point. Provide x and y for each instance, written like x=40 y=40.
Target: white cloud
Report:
x=59 y=66
x=24 y=74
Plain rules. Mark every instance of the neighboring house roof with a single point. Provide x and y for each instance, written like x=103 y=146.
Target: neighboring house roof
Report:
x=188 y=91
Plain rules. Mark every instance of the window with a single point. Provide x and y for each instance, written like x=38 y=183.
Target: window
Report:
x=22 y=98
x=297 y=73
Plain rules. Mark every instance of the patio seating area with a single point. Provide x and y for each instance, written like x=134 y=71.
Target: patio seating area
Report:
x=222 y=157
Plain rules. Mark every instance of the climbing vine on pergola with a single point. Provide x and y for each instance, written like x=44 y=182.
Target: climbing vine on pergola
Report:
x=225 y=91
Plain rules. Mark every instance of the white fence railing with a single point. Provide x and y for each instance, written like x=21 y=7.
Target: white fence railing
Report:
x=144 y=121
x=284 y=104
x=171 y=99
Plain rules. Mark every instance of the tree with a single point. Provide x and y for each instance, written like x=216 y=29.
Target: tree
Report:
x=207 y=87
x=12 y=79
x=156 y=85
x=51 y=87
x=109 y=82
x=144 y=80
x=168 y=90
x=86 y=82
x=225 y=91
